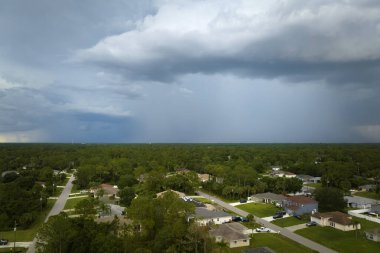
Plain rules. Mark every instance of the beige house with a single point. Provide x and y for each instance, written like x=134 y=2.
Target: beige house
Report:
x=204 y=177
x=180 y=194
x=231 y=233
x=336 y=220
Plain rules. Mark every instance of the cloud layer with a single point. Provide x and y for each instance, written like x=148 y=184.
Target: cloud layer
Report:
x=190 y=71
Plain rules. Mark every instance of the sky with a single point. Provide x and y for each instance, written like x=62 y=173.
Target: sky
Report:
x=146 y=71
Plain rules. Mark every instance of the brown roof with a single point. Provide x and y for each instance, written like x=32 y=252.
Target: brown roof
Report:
x=337 y=217
x=302 y=200
x=109 y=189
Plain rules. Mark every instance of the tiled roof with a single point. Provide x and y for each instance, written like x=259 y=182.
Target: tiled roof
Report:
x=337 y=217
x=302 y=200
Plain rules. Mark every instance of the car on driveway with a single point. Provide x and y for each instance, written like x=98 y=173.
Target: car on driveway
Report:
x=262 y=229
x=3 y=242
x=278 y=215
x=311 y=223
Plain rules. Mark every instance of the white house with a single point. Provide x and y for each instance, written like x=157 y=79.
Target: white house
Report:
x=203 y=216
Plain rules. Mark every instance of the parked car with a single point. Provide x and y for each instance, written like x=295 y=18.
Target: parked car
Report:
x=262 y=229
x=243 y=200
x=3 y=242
x=278 y=215
x=236 y=218
x=244 y=219
x=281 y=212
x=311 y=223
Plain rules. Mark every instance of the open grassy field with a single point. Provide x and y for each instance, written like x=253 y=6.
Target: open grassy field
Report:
x=290 y=221
x=277 y=242
x=371 y=195
x=345 y=242
x=26 y=235
x=259 y=209
x=71 y=203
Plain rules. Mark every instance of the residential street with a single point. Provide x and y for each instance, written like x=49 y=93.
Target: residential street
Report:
x=285 y=232
x=57 y=208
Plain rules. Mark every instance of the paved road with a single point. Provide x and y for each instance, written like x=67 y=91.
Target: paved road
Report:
x=18 y=244
x=285 y=232
x=57 y=208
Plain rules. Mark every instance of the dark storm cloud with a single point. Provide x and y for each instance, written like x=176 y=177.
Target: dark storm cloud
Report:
x=333 y=41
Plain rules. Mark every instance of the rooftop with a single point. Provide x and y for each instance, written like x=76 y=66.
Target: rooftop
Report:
x=337 y=217
x=201 y=212
x=302 y=200
x=228 y=233
x=270 y=195
x=375 y=231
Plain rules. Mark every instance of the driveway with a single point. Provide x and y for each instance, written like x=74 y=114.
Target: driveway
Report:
x=296 y=227
x=285 y=232
x=57 y=208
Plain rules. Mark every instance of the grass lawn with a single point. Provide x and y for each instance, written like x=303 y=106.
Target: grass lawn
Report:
x=259 y=209
x=57 y=191
x=71 y=203
x=203 y=200
x=345 y=242
x=371 y=195
x=316 y=185
x=277 y=242
x=28 y=234
x=289 y=221
x=20 y=250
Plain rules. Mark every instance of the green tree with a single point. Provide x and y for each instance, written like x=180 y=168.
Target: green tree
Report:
x=56 y=235
x=330 y=199
x=126 y=195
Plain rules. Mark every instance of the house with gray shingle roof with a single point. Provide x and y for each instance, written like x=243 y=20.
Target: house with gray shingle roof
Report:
x=373 y=234
x=268 y=197
x=233 y=235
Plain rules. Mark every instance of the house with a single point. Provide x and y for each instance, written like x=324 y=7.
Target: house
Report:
x=315 y=180
x=203 y=216
x=259 y=250
x=375 y=209
x=204 y=177
x=367 y=187
x=336 y=220
x=373 y=234
x=230 y=234
x=309 y=179
x=299 y=205
x=110 y=190
x=359 y=202
x=305 y=178
x=268 y=197
x=281 y=173
x=182 y=171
